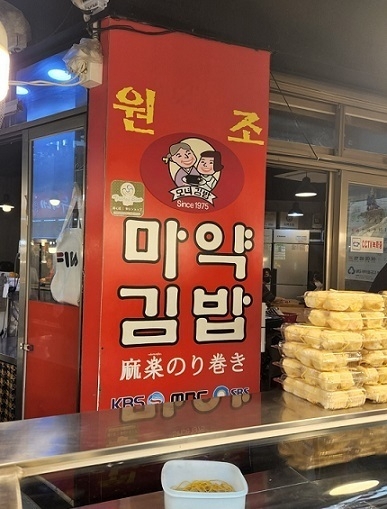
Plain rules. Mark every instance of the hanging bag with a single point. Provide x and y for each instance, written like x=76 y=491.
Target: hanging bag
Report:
x=66 y=284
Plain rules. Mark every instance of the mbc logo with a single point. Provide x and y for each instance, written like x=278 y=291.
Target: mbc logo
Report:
x=69 y=258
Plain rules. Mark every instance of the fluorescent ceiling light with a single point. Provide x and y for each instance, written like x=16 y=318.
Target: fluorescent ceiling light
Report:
x=4 y=63
x=59 y=75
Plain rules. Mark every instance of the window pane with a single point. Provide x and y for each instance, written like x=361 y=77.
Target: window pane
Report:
x=318 y=130
x=366 y=235
x=42 y=101
x=364 y=134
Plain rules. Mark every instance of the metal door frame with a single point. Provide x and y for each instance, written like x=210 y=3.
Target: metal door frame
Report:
x=29 y=134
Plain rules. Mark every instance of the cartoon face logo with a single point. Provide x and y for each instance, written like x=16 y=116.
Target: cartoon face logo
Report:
x=182 y=155
x=181 y=160
x=192 y=173
x=206 y=165
x=209 y=167
x=197 y=175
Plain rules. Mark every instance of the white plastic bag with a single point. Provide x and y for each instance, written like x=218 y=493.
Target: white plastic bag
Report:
x=66 y=285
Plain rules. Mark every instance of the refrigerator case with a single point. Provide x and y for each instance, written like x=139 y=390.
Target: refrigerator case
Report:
x=290 y=259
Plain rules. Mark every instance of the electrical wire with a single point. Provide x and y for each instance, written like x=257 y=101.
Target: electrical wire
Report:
x=294 y=117
x=43 y=83
x=92 y=30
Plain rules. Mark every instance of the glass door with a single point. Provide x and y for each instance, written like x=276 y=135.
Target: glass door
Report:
x=362 y=232
x=50 y=349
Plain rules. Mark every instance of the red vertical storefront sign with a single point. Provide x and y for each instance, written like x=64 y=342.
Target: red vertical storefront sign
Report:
x=184 y=125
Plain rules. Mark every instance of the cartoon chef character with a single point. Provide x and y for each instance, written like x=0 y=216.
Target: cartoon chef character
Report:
x=182 y=154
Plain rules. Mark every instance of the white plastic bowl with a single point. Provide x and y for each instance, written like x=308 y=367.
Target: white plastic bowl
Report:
x=175 y=472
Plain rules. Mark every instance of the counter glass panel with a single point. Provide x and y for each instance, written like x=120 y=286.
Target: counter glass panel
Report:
x=292 y=453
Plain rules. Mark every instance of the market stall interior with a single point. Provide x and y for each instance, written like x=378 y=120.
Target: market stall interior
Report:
x=294 y=243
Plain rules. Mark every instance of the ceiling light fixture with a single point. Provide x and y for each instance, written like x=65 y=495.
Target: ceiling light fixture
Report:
x=306 y=189
x=4 y=62
x=6 y=204
x=295 y=211
x=59 y=75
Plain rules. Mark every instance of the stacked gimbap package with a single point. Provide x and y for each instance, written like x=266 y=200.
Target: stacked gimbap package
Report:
x=338 y=358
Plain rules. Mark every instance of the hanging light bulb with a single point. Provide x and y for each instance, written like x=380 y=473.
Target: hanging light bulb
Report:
x=295 y=211
x=6 y=204
x=306 y=189
x=4 y=63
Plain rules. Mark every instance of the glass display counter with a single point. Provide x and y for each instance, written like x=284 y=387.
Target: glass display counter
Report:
x=291 y=453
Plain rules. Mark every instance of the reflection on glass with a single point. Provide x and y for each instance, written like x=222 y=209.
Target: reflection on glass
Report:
x=42 y=271
x=58 y=163
x=366 y=235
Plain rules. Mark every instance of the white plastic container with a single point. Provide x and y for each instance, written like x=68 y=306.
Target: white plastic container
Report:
x=175 y=472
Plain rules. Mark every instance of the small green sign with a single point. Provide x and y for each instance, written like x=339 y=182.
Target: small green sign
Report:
x=127 y=198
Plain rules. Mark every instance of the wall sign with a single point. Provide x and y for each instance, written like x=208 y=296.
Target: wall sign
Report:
x=367 y=244
x=182 y=262
x=127 y=198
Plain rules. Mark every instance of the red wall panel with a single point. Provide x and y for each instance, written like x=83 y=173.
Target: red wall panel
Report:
x=177 y=144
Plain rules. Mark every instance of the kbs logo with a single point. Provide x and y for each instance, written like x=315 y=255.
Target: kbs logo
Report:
x=70 y=259
x=127 y=401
